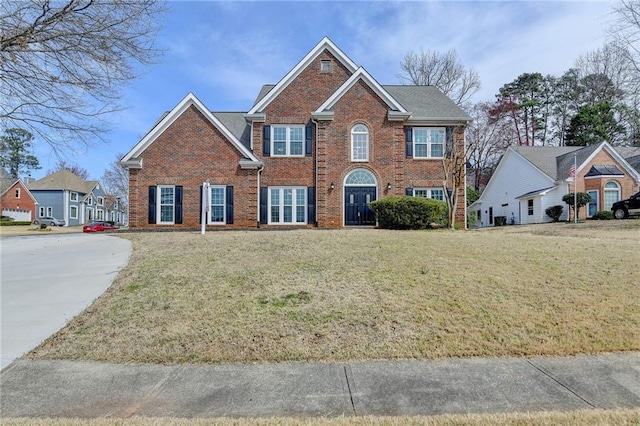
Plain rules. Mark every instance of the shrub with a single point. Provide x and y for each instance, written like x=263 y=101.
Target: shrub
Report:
x=407 y=212
x=13 y=223
x=554 y=212
x=603 y=215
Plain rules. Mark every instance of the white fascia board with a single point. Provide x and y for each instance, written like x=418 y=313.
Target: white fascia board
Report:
x=398 y=116
x=625 y=165
x=255 y=118
x=325 y=43
x=134 y=163
x=360 y=74
x=250 y=164
x=173 y=115
x=323 y=115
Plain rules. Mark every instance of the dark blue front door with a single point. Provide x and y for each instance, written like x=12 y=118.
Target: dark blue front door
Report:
x=357 y=212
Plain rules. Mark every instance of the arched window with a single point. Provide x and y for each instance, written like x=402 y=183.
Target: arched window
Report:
x=611 y=194
x=360 y=177
x=359 y=143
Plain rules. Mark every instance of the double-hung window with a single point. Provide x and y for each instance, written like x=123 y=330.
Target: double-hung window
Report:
x=73 y=212
x=287 y=141
x=359 y=143
x=74 y=196
x=434 y=193
x=288 y=205
x=166 y=204
x=49 y=211
x=217 y=205
x=428 y=142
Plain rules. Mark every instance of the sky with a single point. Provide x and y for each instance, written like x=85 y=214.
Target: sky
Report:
x=223 y=52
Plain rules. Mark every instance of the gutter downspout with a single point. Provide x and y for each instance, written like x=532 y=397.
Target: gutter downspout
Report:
x=315 y=123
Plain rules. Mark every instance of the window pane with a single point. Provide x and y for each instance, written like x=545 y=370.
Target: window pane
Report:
x=420 y=150
x=280 y=134
x=275 y=214
x=421 y=193
x=166 y=213
x=295 y=134
x=217 y=213
x=288 y=214
x=436 y=150
x=166 y=195
x=280 y=148
x=296 y=148
x=437 y=194
x=437 y=136
x=217 y=196
x=420 y=135
x=288 y=196
x=300 y=216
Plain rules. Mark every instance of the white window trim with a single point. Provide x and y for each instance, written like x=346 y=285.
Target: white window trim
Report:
x=288 y=127
x=49 y=211
x=326 y=65
x=40 y=211
x=429 y=156
x=90 y=201
x=353 y=133
x=71 y=214
x=429 y=192
x=100 y=214
x=17 y=192
x=605 y=190
x=100 y=201
x=294 y=206
x=73 y=196
x=224 y=205
x=159 y=205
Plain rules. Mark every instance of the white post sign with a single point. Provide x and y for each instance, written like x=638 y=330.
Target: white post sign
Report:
x=206 y=205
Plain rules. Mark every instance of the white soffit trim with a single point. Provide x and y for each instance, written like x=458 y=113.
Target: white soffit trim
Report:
x=176 y=112
x=360 y=74
x=325 y=43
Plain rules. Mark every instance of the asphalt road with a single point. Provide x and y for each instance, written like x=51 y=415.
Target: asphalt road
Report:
x=46 y=280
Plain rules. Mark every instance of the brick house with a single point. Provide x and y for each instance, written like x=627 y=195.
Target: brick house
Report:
x=528 y=179
x=16 y=201
x=313 y=150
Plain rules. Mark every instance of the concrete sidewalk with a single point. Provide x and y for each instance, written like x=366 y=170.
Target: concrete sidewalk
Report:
x=88 y=390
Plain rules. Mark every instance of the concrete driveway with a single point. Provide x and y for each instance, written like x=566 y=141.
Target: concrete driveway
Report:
x=49 y=279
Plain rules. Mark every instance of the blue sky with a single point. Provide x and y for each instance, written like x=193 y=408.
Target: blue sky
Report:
x=224 y=52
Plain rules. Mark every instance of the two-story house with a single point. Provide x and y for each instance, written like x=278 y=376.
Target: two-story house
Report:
x=66 y=196
x=313 y=150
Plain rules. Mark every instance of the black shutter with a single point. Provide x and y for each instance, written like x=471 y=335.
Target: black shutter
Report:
x=408 y=191
x=449 y=142
x=408 y=139
x=152 y=204
x=264 y=193
x=311 y=205
x=229 y=205
x=308 y=132
x=178 y=205
x=266 y=140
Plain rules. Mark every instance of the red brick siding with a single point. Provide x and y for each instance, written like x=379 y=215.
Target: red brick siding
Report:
x=24 y=202
x=189 y=152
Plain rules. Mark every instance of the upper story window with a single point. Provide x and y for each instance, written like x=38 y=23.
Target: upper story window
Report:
x=287 y=141
x=100 y=201
x=74 y=196
x=90 y=201
x=428 y=142
x=17 y=192
x=326 y=66
x=359 y=143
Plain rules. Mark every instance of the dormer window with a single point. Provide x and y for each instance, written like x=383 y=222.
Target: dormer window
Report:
x=326 y=66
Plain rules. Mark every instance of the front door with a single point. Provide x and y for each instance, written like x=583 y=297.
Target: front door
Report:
x=357 y=212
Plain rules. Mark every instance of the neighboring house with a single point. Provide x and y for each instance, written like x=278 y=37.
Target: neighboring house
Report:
x=116 y=211
x=527 y=180
x=313 y=150
x=16 y=201
x=64 y=195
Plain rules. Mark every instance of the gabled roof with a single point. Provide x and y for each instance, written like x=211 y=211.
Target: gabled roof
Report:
x=131 y=159
x=326 y=109
x=324 y=44
x=237 y=125
x=63 y=180
x=580 y=156
x=545 y=157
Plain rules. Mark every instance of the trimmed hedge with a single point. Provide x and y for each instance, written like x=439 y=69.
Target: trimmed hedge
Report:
x=406 y=212
x=603 y=215
x=554 y=212
x=12 y=223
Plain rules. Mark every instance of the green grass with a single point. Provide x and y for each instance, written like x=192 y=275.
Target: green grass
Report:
x=349 y=295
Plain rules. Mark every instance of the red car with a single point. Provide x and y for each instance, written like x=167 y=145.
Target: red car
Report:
x=99 y=227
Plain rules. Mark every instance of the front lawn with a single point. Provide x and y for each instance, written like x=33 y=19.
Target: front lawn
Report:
x=349 y=295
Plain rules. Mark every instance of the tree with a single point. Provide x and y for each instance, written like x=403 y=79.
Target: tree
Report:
x=626 y=29
x=63 y=64
x=77 y=170
x=116 y=181
x=487 y=139
x=444 y=71
x=13 y=152
x=593 y=124
x=454 y=163
x=582 y=199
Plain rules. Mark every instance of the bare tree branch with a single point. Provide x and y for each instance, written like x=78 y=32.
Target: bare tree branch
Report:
x=63 y=64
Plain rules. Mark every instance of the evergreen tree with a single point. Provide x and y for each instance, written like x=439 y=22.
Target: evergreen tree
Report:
x=14 y=146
